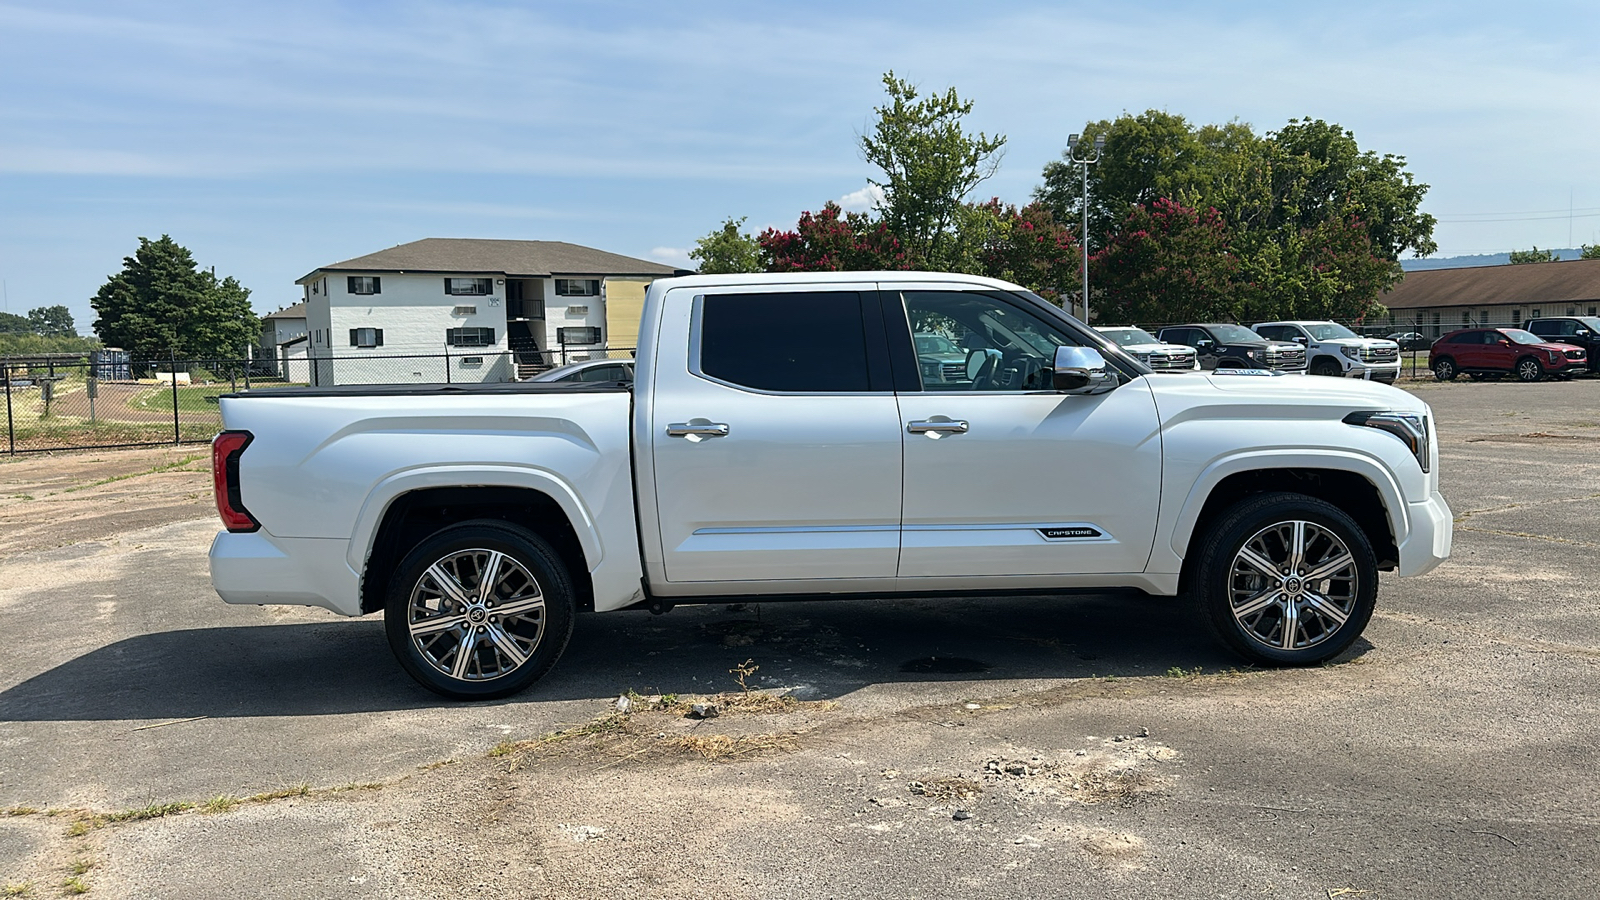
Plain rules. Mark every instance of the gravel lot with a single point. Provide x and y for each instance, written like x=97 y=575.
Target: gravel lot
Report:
x=155 y=742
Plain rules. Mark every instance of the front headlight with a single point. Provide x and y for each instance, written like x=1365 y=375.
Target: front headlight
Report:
x=1410 y=428
x=1352 y=352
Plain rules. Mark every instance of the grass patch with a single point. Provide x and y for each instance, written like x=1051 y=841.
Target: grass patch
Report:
x=722 y=746
x=153 y=811
x=299 y=790
x=220 y=804
x=17 y=889
x=20 y=811
x=74 y=886
x=194 y=398
x=81 y=866
x=153 y=470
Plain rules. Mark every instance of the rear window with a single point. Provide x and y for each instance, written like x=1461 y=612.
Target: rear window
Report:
x=804 y=342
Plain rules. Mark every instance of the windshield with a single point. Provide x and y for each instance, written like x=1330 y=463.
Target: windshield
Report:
x=1129 y=337
x=1234 y=334
x=1327 y=331
x=935 y=343
x=1522 y=337
x=1592 y=323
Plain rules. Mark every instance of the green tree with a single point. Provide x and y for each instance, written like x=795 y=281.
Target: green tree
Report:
x=727 y=250
x=11 y=323
x=1167 y=263
x=161 y=303
x=1025 y=246
x=52 y=321
x=930 y=163
x=832 y=241
x=1589 y=251
x=1523 y=257
x=1316 y=223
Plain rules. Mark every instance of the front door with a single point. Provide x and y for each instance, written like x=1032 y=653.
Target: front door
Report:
x=776 y=438
x=1004 y=476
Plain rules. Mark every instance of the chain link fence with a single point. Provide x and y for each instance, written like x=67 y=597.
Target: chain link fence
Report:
x=108 y=399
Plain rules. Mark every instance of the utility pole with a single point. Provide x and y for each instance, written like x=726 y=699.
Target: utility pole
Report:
x=1088 y=159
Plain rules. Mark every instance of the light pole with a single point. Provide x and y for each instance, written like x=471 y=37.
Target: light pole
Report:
x=1086 y=161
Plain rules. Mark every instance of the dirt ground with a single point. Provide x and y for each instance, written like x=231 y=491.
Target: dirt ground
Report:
x=155 y=742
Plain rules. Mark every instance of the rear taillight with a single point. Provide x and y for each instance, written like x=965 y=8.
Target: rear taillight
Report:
x=225 y=453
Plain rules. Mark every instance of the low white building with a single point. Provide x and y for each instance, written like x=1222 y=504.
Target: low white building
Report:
x=283 y=339
x=459 y=309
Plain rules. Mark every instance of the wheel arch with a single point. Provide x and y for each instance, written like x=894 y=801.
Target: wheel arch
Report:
x=1359 y=487
x=405 y=510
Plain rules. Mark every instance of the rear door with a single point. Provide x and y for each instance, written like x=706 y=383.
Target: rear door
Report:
x=776 y=438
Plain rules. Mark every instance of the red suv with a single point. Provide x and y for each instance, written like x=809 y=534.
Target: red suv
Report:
x=1493 y=352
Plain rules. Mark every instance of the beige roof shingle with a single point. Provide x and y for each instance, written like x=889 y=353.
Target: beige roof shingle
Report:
x=524 y=259
x=1568 y=281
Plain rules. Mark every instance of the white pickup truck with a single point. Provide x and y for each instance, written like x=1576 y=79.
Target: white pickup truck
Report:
x=780 y=443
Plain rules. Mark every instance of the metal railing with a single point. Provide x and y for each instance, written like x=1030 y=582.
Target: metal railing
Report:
x=75 y=402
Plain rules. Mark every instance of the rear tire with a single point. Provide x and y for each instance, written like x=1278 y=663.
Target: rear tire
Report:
x=1445 y=369
x=1286 y=579
x=466 y=639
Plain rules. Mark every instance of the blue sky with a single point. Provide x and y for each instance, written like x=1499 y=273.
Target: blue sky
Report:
x=271 y=138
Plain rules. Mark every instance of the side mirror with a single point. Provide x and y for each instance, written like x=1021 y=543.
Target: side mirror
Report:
x=1081 y=370
x=1300 y=339
x=1204 y=344
x=1583 y=332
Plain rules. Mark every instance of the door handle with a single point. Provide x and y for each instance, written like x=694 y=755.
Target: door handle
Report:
x=686 y=429
x=938 y=427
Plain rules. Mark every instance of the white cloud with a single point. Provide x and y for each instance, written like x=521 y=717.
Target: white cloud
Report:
x=864 y=200
x=672 y=256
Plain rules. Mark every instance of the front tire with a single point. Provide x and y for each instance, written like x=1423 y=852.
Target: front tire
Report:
x=1286 y=579
x=1529 y=370
x=479 y=610
x=1328 y=368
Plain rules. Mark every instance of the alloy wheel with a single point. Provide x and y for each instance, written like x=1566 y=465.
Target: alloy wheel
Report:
x=1292 y=585
x=476 y=615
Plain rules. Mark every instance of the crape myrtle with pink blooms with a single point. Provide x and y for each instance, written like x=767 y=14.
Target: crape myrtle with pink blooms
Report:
x=1214 y=222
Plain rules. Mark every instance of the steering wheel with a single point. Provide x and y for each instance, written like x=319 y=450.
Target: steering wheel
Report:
x=980 y=367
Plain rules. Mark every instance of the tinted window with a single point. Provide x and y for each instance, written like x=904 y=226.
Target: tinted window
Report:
x=806 y=342
x=605 y=374
x=1466 y=337
x=1007 y=347
x=1177 y=336
x=1277 y=332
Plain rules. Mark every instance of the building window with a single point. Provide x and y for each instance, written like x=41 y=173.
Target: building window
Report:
x=1536 y=312
x=469 y=337
x=365 y=284
x=1572 y=310
x=578 y=336
x=1466 y=317
x=464 y=311
x=577 y=287
x=366 y=337
x=468 y=287
x=1516 y=316
x=1591 y=310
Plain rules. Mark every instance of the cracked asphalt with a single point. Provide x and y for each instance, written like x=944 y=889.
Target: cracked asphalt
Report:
x=1072 y=747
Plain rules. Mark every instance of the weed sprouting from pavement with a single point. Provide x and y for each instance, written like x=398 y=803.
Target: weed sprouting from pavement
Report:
x=220 y=804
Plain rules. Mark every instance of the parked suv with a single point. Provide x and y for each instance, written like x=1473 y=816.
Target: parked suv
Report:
x=1146 y=349
x=1222 y=346
x=1579 y=331
x=1494 y=352
x=1332 y=349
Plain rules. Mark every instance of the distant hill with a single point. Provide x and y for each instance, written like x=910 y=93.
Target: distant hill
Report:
x=1481 y=259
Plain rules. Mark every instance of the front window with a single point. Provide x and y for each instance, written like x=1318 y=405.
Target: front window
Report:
x=1130 y=337
x=1330 y=331
x=1233 y=334
x=1006 y=347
